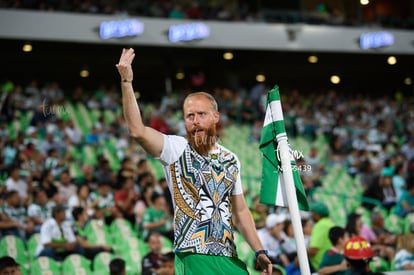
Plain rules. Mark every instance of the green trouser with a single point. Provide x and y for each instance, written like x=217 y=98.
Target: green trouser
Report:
x=200 y=264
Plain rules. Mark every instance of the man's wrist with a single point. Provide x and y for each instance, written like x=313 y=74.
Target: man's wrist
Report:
x=126 y=81
x=261 y=251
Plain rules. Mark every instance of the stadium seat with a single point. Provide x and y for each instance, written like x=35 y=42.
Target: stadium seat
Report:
x=44 y=265
x=132 y=261
x=121 y=227
x=394 y=223
x=167 y=245
x=14 y=247
x=76 y=264
x=101 y=262
x=98 y=232
x=31 y=244
x=379 y=264
x=409 y=223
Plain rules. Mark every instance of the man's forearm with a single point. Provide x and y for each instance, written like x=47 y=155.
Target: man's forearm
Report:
x=132 y=113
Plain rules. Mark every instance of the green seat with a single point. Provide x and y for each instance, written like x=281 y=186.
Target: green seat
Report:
x=394 y=223
x=167 y=244
x=379 y=265
x=121 y=228
x=98 y=232
x=101 y=262
x=76 y=264
x=127 y=243
x=44 y=265
x=31 y=244
x=132 y=261
x=14 y=247
x=408 y=224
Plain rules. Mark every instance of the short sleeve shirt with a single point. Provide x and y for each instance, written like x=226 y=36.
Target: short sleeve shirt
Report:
x=201 y=188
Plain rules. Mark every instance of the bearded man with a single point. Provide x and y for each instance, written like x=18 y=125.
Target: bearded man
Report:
x=204 y=180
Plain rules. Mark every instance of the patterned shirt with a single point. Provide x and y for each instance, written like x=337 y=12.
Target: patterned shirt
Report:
x=201 y=187
x=18 y=213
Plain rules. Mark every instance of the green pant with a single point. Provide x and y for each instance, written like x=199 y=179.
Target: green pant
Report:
x=200 y=264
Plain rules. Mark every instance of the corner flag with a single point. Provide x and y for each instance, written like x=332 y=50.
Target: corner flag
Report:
x=273 y=190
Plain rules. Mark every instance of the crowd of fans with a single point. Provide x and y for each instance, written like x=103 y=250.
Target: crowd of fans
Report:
x=230 y=10
x=371 y=136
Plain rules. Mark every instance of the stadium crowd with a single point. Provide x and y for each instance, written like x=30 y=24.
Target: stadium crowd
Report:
x=372 y=137
x=231 y=10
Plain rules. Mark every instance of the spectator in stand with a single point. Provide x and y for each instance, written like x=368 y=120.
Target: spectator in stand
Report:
x=272 y=237
x=142 y=205
x=10 y=152
x=74 y=133
x=126 y=171
x=89 y=250
x=398 y=180
x=167 y=266
x=259 y=212
x=405 y=204
x=389 y=198
x=41 y=209
x=66 y=188
x=157 y=122
x=366 y=174
x=248 y=113
x=57 y=239
x=117 y=266
x=102 y=200
x=47 y=183
x=163 y=184
x=319 y=240
x=88 y=177
x=382 y=235
x=17 y=183
x=125 y=199
x=93 y=137
x=404 y=259
x=408 y=148
x=9 y=266
x=56 y=163
x=80 y=199
x=12 y=210
x=333 y=261
x=356 y=228
x=105 y=173
x=152 y=261
x=156 y=218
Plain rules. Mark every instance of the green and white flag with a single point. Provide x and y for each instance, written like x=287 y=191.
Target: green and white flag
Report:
x=273 y=190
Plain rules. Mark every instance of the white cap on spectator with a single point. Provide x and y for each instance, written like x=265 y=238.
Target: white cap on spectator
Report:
x=275 y=219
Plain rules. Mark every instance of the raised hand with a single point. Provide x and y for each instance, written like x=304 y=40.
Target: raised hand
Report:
x=124 y=65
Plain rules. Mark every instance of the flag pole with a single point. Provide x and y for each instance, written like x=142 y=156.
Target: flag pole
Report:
x=286 y=168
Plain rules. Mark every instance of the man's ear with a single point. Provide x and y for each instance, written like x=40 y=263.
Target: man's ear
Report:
x=216 y=117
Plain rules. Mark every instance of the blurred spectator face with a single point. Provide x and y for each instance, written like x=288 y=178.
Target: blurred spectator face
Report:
x=275 y=230
x=154 y=243
x=160 y=203
x=11 y=270
x=41 y=197
x=15 y=174
x=65 y=179
x=103 y=189
x=307 y=227
x=49 y=177
x=128 y=185
x=87 y=170
x=14 y=200
x=84 y=191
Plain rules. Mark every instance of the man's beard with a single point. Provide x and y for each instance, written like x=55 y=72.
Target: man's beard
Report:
x=203 y=144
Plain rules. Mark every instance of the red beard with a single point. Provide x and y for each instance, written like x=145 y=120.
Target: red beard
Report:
x=203 y=144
